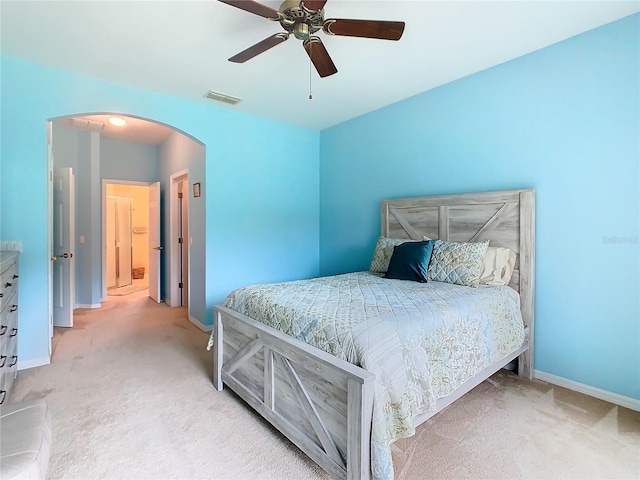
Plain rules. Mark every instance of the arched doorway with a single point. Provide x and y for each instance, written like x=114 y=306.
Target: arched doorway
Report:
x=140 y=152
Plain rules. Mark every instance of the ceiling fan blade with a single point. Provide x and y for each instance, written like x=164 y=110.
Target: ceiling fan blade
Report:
x=314 y=5
x=364 y=28
x=255 y=8
x=319 y=57
x=259 y=47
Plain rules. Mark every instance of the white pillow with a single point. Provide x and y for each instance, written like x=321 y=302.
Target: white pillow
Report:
x=382 y=253
x=498 y=266
x=459 y=263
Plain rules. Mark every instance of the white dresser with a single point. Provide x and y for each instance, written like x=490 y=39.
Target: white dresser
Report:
x=8 y=322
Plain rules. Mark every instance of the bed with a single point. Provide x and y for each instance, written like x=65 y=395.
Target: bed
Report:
x=319 y=398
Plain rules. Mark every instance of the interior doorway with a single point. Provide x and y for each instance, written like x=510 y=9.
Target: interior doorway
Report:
x=146 y=153
x=126 y=227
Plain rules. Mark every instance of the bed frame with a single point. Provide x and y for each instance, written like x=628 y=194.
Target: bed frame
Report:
x=324 y=404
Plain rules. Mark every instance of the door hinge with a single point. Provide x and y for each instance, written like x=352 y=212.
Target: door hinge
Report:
x=180 y=240
x=181 y=285
x=179 y=194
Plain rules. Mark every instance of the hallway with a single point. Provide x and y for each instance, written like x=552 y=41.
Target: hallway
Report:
x=131 y=395
x=123 y=318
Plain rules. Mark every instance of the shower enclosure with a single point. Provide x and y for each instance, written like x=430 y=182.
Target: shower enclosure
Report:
x=119 y=242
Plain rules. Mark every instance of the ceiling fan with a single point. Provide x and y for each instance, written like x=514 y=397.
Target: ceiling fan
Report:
x=303 y=18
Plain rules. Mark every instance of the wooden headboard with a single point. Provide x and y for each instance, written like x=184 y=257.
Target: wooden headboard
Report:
x=505 y=218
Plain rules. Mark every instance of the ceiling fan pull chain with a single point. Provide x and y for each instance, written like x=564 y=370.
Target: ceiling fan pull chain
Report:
x=310 y=73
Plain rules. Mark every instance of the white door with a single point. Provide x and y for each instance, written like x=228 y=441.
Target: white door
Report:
x=63 y=247
x=155 y=248
x=110 y=242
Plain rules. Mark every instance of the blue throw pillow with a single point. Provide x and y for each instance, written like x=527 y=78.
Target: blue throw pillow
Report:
x=410 y=261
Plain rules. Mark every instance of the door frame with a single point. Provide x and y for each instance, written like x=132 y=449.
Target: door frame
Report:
x=50 y=163
x=106 y=181
x=173 y=299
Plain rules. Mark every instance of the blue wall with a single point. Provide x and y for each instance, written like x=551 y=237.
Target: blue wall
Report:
x=563 y=120
x=262 y=201
x=129 y=161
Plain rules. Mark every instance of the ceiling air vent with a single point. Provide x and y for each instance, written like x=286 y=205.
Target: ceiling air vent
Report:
x=221 y=97
x=87 y=124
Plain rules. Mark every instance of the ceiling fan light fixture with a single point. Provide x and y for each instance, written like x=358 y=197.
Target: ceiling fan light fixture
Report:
x=222 y=97
x=117 y=121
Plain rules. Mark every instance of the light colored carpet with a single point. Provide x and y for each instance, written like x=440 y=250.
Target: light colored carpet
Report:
x=131 y=396
x=123 y=291
x=137 y=285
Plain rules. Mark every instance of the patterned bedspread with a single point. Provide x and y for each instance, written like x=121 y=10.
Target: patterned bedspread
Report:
x=421 y=340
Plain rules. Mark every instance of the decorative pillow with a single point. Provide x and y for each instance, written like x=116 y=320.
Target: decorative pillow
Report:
x=458 y=263
x=382 y=253
x=410 y=261
x=498 y=266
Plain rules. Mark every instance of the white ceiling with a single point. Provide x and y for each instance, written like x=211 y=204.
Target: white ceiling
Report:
x=181 y=48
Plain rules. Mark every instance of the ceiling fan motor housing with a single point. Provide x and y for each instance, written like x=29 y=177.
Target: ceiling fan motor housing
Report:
x=300 y=21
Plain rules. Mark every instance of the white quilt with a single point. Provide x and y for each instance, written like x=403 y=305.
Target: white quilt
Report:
x=421 y=340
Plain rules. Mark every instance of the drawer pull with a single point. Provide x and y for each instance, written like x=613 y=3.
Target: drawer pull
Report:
x=8 y=284
x=3 y=394
x=15 y=276
x=3 y=359
x=14 y=332
x=15 y=360
x=3 y=330
x=13 y=308
x=1 y=294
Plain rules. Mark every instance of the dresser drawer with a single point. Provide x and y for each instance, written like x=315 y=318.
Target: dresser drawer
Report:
x=9 y=355
x=8 y=283
x=8 y=322
x=9 y=315
x=9 y=363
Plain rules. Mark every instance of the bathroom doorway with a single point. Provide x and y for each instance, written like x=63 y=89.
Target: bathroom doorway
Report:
x=126 y=238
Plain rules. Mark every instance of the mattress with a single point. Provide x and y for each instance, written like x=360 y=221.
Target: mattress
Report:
x=421 y=340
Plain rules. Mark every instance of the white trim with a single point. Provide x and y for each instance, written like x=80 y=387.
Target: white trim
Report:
x=103 y=247
x=36 y=362
x=50 y=163
x=200 y=325
x=627 y=402
x=88 y=305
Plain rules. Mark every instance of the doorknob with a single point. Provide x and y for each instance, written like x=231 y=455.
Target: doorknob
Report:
x=159 y=248
x=64 y=255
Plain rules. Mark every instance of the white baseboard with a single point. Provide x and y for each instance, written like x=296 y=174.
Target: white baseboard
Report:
x=605 y=395
x=88 y=305
x=200 y=325
x=36 y=362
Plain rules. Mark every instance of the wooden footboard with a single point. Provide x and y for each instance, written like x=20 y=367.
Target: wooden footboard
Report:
x=321 y=403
